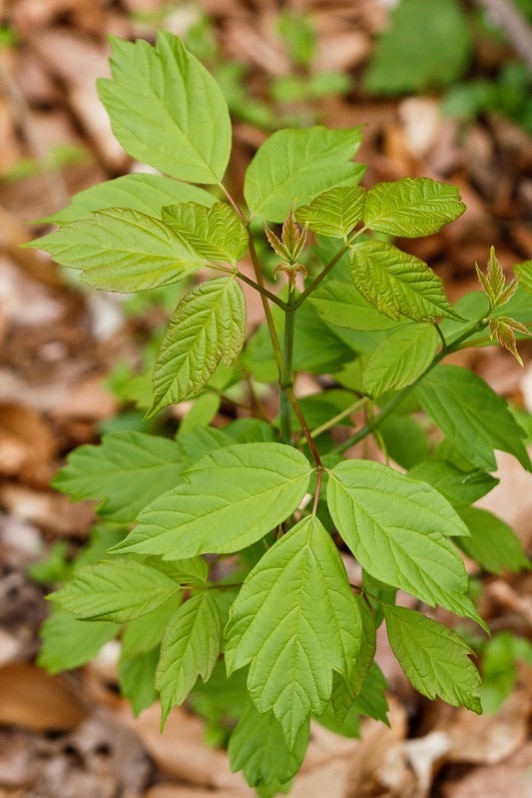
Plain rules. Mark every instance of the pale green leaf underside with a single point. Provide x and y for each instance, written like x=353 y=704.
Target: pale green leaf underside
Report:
x=116 y=590
x=492 y=543
x=295 y=621
x=145 y=193
x=472 y=416
x=411 y=207
x=397 y=529
x=231 y=498
x=258 y=747
x=400 y=359
x=167 y=110
x=334 y=213
x=434 y=658
x=190 y=648
x=207 y=328
x=215 y=233
x=293 y=167
x=128 y=470
x=397 y=283
x=122 y=250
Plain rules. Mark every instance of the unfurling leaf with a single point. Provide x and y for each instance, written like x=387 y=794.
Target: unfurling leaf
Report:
x=292 y=241
x=494 y=284
x=434 y=658
x=398 y=284
x=207 y=328
x=524 y=274
x=295 y=621
x=503 y=329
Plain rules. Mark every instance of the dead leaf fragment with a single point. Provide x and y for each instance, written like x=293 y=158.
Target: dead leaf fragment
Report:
x=31 y=698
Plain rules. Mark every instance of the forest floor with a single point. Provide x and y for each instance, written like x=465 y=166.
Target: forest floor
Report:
x=72 y=736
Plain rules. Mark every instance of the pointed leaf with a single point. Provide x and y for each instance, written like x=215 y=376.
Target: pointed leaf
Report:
x=524 y=273
x=167 y=110
x=334 y=213
x=411 y=207
x=460 y=488
x=400 y=359
x=472 y=416
x=139 y=192
x=144 y=633
x=122 y=250
x=215 y=233
x=396 y=283
x=492 y=543
x=207 y=328
x=115 y=590
x=69 y=642
x=397 y=529
x=128 y=470
x=341 y=304
x=258 y=748
x=296 y=621
x=136 y=677
x=434 y=658
x=293 y=167
x=190 y=648
x=503 y=330
x=231 y=498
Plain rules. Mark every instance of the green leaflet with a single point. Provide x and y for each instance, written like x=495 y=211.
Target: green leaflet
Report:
x=335 y=212
x=295 y=621
x=167 y=110
x=404 y=440
x=492 y=543
x=215 y=233
x=411 y=207
x=122 y=250
x=128 y=470
x=116 y=590
x=524 y=273
x=460 y=488
x=293 y=167
x=397 y=529
x=231 y=498
x=343 y=712
x=138 y=192
x=136 y=677
x=400 y=359
x=398 y=284
x=190 y=648
x=472 y=416
x=207 y=328
x=144 y=633
x=258 y=747
x=434 y=658
x=341 y=304
x=69 y=642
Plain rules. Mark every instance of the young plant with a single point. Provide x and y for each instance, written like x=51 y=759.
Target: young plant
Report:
x=222 y=551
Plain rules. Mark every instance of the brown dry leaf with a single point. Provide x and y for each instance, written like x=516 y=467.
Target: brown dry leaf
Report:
x=31 y=698
x=510 y=779
x=27 y=445
x=511 y=499
x=47 y=510
x=175 y=791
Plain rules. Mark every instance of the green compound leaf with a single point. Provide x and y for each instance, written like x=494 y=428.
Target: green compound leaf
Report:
x=296 y=621
x=258 y=748
x=190 y=648
x=139 y=192
x=232 y=498
x=207 y=328
x=167 y=110
x=128 y=470
x=69 y=642
x=397 y=529
x=460 y=488
x=492 y=543
x=116 y=590
x=334 y=213
x=396 y=283
x=400 y=359
x=434 y=658
x=122 y=250
x=215 y=233
x=494 y=282
x=472 y=416
x=293 y=167
x=411 y=207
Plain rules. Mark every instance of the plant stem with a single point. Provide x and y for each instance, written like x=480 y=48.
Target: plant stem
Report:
x=396 y=400
x=262 y=290
x=286 y=372
x=332 y=422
